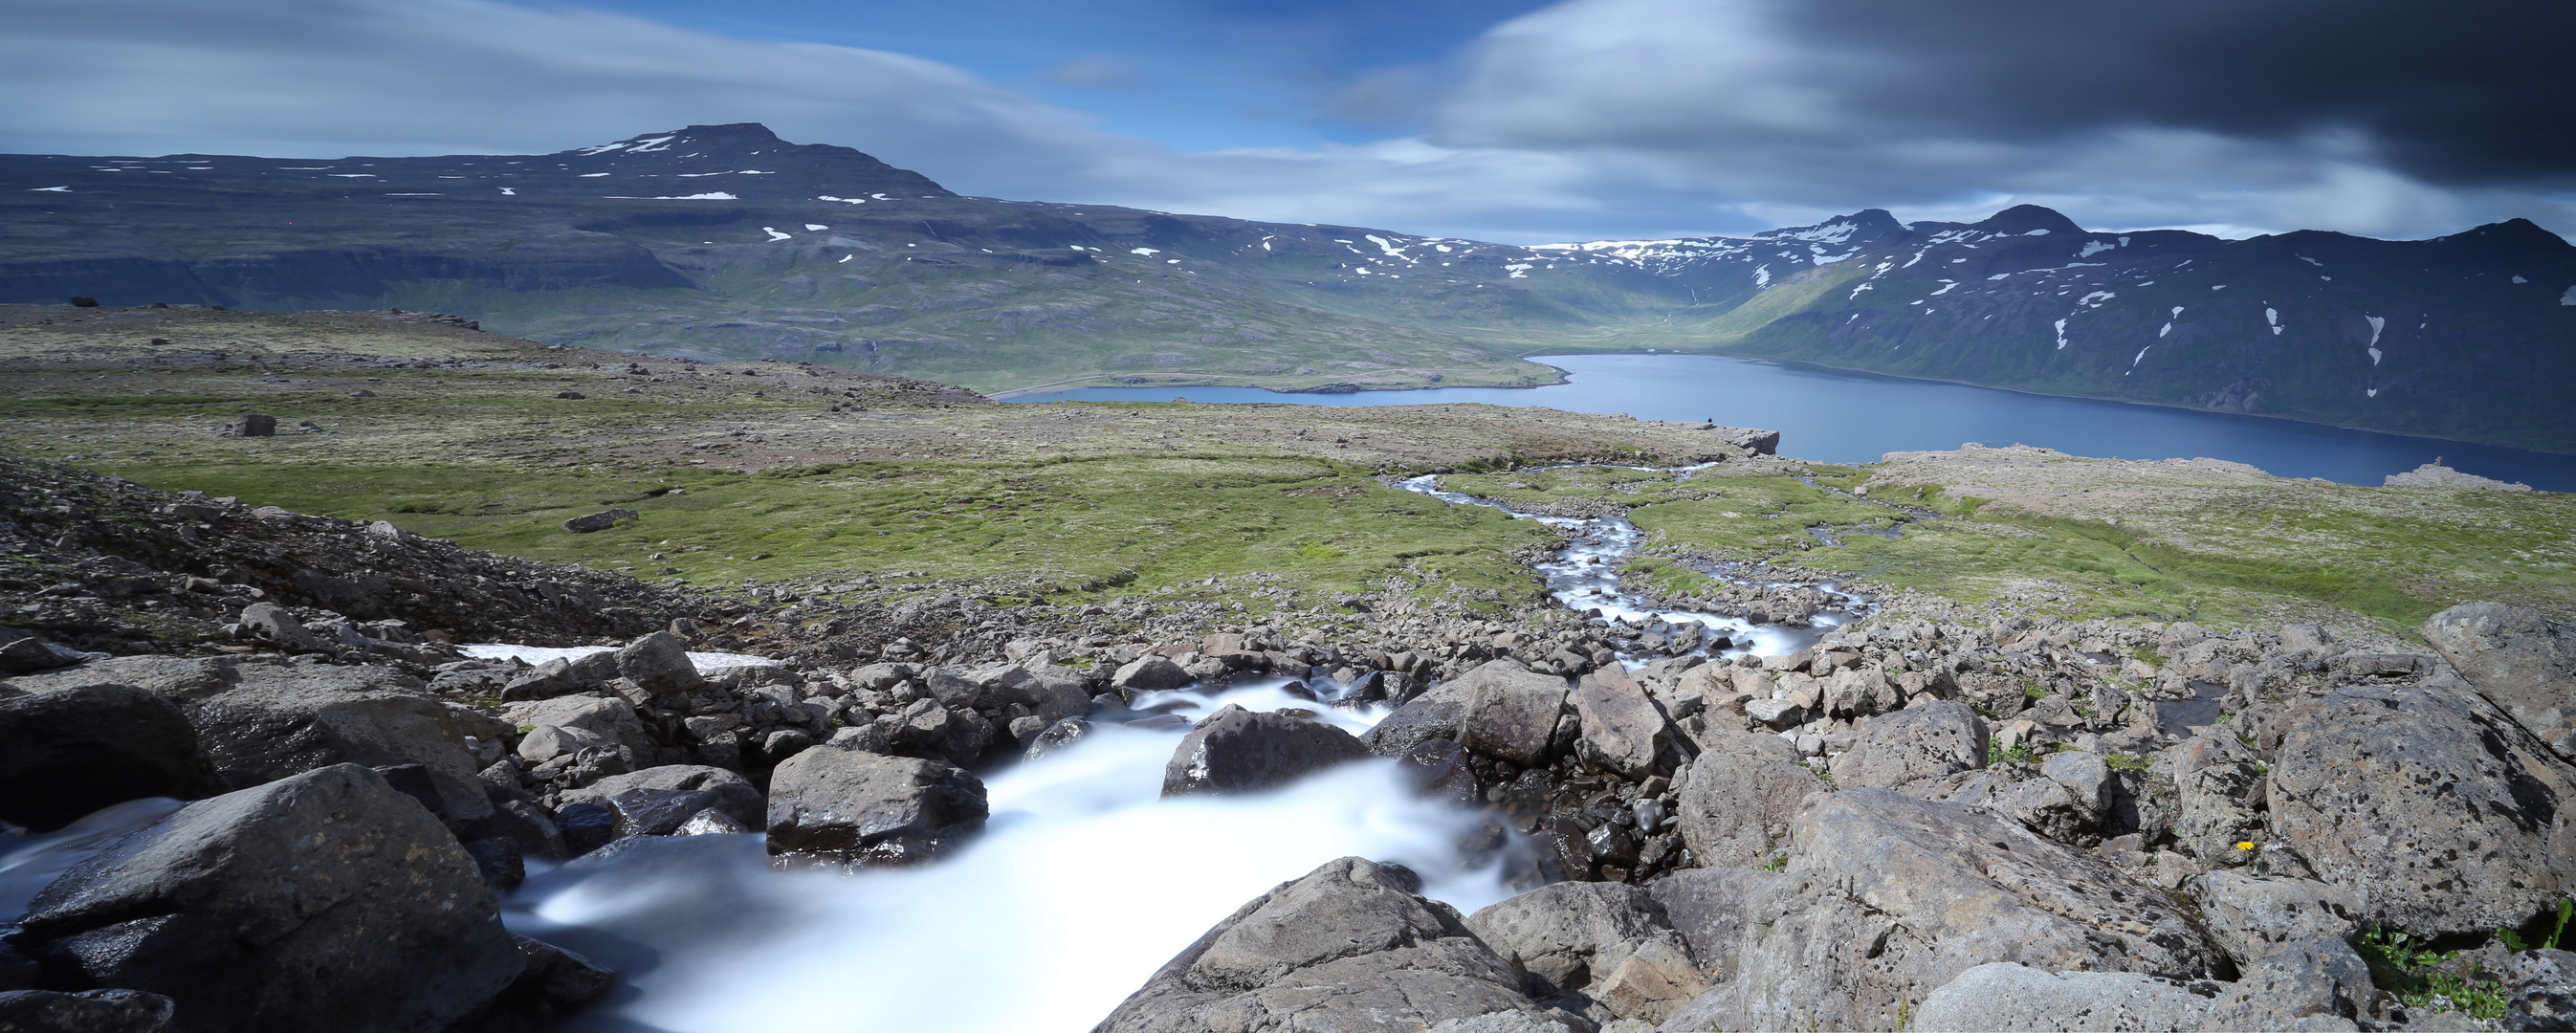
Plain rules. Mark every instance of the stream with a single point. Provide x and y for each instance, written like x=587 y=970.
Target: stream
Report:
x=1083 y=884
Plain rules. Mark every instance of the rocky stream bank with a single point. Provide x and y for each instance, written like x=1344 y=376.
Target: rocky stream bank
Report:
x=255 y=779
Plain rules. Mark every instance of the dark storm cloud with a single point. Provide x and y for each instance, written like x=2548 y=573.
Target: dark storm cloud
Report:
x=2470 y=92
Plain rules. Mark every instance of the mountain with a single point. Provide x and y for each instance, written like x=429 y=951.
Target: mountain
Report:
x=725 y=241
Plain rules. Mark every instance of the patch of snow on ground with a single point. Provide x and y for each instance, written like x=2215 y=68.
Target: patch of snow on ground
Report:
x=1145 y=251
x=2095 y=247
x=843 y=200
x=1762 y=278
x=2095 y=299
x=706 y=663
x=2377 y=323
x=2160 y=334
x=816 y=226
x=775 y=235
x=2061 y=333
x=509 y=192
x=1949 y=285
x=2142 y=356
x=2520 y=280
x=50 y=190
x=592 y=175
x=2568 y=298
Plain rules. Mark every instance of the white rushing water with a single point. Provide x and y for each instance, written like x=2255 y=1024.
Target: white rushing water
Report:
x=706 y=663
x=1083 y=884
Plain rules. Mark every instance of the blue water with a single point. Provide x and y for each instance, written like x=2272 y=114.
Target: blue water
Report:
x=1841 y=417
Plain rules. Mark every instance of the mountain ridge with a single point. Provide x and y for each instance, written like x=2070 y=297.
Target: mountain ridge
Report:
x=724 y=241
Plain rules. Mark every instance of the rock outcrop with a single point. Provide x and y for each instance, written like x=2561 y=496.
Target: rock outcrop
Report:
x=1239 y=751
x=71 y=751
x=856 y=808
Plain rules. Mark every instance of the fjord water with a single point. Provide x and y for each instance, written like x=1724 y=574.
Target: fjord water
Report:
x=1838 y=416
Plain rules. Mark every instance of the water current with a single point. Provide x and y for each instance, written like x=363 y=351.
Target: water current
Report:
x=1085 y=881
x=1838 y=416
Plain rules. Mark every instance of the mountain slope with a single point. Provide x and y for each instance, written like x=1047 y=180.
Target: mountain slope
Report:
x=724 y=241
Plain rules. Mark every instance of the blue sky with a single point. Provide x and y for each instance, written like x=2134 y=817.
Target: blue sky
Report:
x=1515 y=120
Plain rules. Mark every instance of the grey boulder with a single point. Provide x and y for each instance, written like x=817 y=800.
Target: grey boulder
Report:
x=2010 y=998
x=2318 y=983
x=1240 y=751
x=2441 y=811
x=1743 y=792
x=2520 y=660
x=89 y=1011
x=854 y=808
x=1352 y=947
x=2221 y=785
x=1927 y=741
x=1149 y=674
x=2252 y=916
x=1512 y=716
x=659 y=662
x=726 y=792
x=2540 y=990
x=325 y=901
x=1885 y=895
x=66 y=753
x=1622 y=729
x=1706 y=906
x=1608 y=941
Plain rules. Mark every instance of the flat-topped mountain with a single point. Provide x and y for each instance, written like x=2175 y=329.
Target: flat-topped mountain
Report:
x=725 y=241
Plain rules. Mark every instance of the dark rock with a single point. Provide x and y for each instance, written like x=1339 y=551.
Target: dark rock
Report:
x=712 y=786
x=1438 y=769
x=279 y=719
x=2520 y=660
x=29 y=654
x=570 y=394
x=2384 y=789
x=254 y=425
x=868 y=808
x=711 y=822
x=1149 y=674
x=2540 y=990
x=1239 y=751
x=554 y=982
x=66 y=753
x=503 y=864
x=90 y=1011
x=1350 y=948
x=600 y=521
x=83 y=301
x=586 y=826
x=325 y=901
x=1622 y=729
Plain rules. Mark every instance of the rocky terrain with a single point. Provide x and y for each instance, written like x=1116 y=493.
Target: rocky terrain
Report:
x=725 y=242
x=263 y=784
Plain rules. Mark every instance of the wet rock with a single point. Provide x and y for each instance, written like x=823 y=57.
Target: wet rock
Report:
x=66 y=753
x=1743 y=792
x=502 y=861
x=29 y=654
x=721 y=789
x=1512 y=715
x=600 y=521
x=2540 y=990
x=2520 y=660
x=2252 y=916
x=2003 y=996
x=1058 y=737
x=2295 y=986
x=278 y=719
x=2382 y=788
x=1239 y=751
x=1928 y=741
x=1609 y=941
x=325 y=901
x=1622 y=729
x=1149 y=674
x=1439 y=769
x=867 y=808
x=1885 y=895
x=554 y=982
x=1706 y=906
x=1352 y=947
x=1436 y=714
x=88 y=1011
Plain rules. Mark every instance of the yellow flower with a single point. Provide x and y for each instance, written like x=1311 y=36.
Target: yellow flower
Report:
x=2247 y=845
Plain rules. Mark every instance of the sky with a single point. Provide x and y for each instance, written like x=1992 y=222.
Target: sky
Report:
x=1507 y=120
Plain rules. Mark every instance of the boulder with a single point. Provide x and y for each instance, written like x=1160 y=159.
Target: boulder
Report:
x=324 y=901
x=2003 y=996
x=1512 y=716
x=1622 y=729
x=28 y=654
x=1608 y=941
x=2440 y=810
x=1436 y=714
x=659 y=663
x=1239 y=751
x=247 y=425
x=1058 y=737
x=1706 y=906
x=605 y=720
x=266 y=719
x=2319 y=978
x=1743 y=791
x=89 y=1011
x=2220 y=783
x=722 y=790
x=64 y=754
x=855 y=808
x=555 y=982
x=271 y=621
x=1149 y=674
x=1352 y=947
x=2251 y=916
x=1439 y=769
x=2520 y=660
x=1935 y=739
x=1885 y=895
x=602 y=520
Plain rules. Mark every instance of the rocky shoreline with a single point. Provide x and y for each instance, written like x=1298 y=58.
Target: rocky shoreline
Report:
x=1910 y=823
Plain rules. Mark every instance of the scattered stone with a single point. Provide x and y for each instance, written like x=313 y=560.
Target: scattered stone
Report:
x=1239 y=751
x=600 y=521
